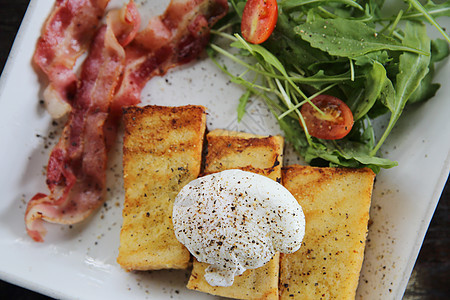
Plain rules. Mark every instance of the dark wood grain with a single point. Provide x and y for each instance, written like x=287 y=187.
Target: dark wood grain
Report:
x=11 y=14
x=431 y=275
x=430 y=279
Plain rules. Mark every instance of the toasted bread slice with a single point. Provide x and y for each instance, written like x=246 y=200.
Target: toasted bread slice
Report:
x=161 y=153
x=336 y=205
x=261 y=283
x=238 y=150
x=261 y=155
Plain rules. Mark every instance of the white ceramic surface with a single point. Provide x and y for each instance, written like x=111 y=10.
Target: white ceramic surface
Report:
x=79 y=262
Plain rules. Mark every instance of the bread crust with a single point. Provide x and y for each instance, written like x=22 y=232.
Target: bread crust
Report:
x=161 y=153
x=259 y=154
x=336 y=203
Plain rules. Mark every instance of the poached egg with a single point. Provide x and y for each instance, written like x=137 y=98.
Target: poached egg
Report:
x=236 y=220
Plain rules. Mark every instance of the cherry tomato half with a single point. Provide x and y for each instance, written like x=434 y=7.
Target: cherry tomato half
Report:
x=258 y=20
x=335 y=122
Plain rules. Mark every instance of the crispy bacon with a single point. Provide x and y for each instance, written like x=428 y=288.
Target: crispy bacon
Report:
x=77 y=165
x=76 y=170
x=66 y=35
x=176 y=37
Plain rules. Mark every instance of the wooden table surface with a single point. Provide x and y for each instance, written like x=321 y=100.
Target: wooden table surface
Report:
x=431 y=275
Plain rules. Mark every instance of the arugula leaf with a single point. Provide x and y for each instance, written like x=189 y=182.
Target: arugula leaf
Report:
x=348 y=154
x=416 y=4
x=439 y=50
x=374 y=7
x=358 y=151
x=293 y=133
x=427 y=89
x=348 y=38
x=412 y=69
x=353 y=154
x=242 y=104
x=363 y=132
x=320 y=79
x=238 y=7
x=374 y=84
x=434 y=10
x=332 y=46
x=378 y=56
x=264 y=54
x=292 y=4
x=288 y=47
x=387 y=95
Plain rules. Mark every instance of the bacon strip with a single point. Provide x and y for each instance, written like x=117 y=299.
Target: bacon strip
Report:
x=66 y=35
x=176 y=37
x=76 y=170
x=77 y=165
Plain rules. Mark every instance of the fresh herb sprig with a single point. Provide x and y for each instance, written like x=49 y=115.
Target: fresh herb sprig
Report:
x=377 y=64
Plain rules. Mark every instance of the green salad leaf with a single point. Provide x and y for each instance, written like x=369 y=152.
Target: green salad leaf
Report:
x=412 y=69
x=347 y=38
x=432 y=9
x=376 y=62
x=418 y=6
x=290 y=4
x=374 y=82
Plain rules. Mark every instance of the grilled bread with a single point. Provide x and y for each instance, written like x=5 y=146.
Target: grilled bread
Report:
x=161 y=153
x=336 y=205
x=261 y=155
x=238 y=150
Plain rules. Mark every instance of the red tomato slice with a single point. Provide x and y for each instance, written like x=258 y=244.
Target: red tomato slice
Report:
x=258 y=20
x=335 y=122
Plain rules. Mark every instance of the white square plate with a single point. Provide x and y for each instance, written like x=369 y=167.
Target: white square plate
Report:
x=80 y=261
